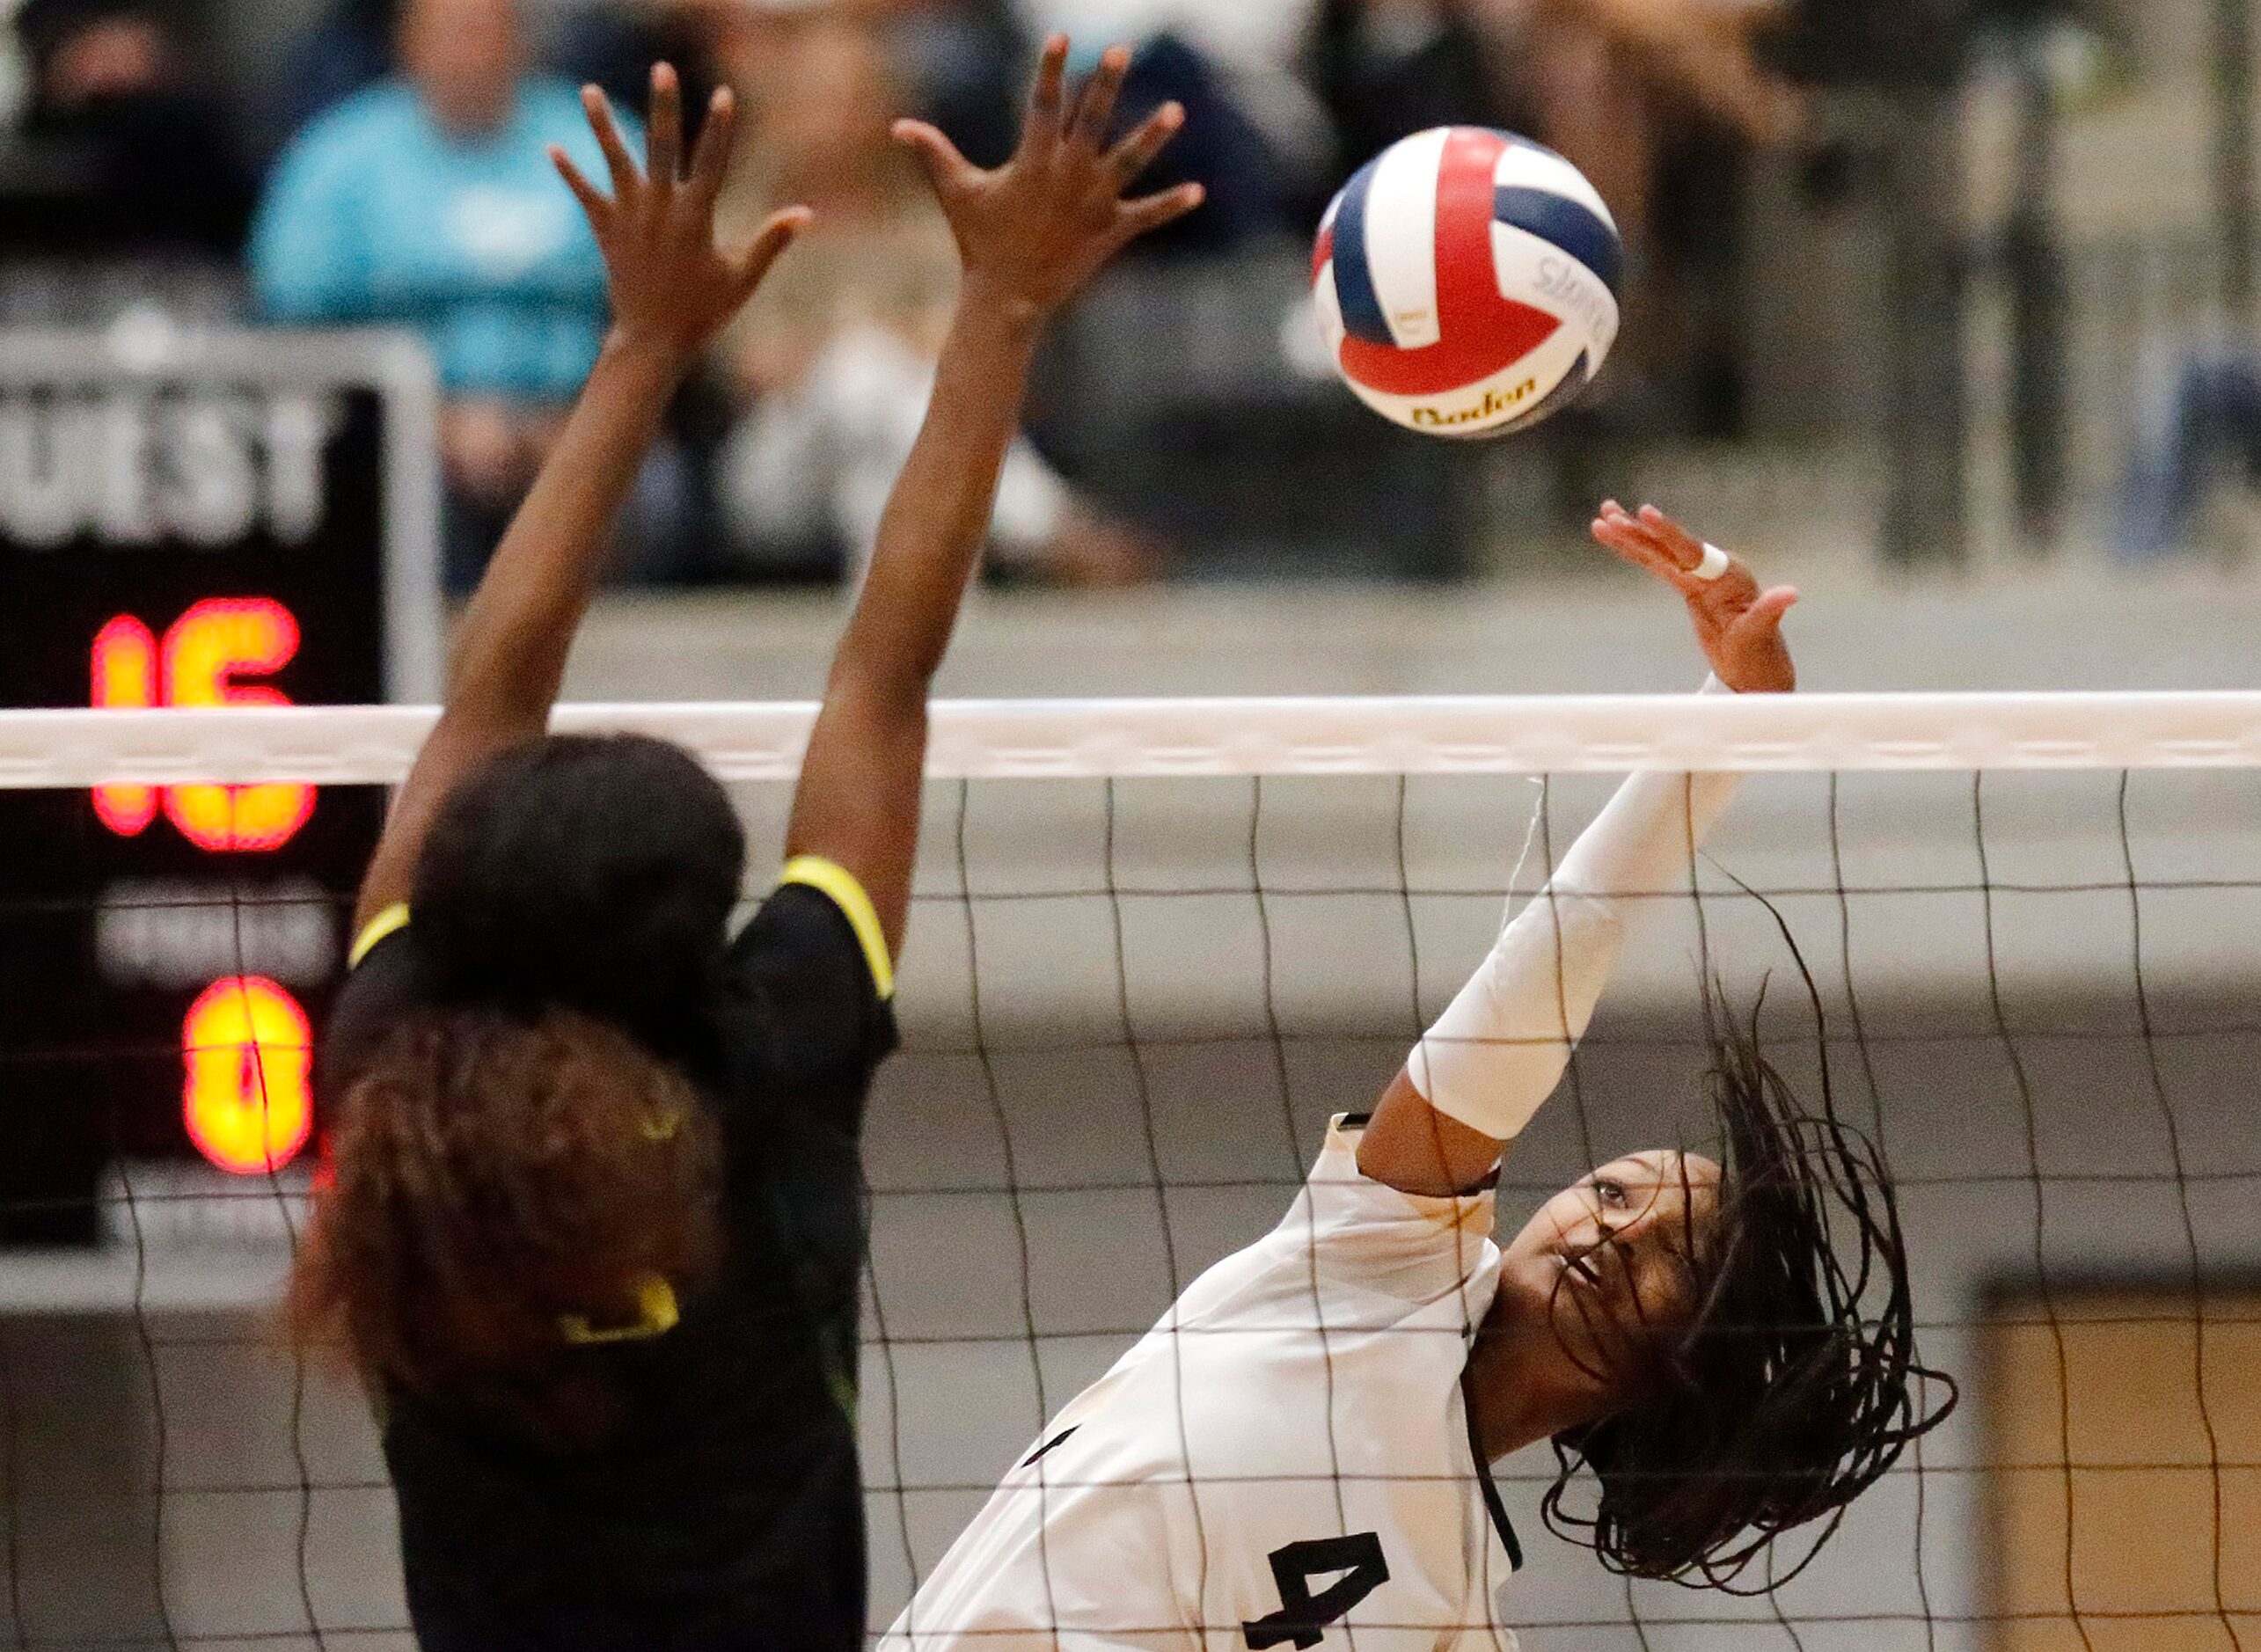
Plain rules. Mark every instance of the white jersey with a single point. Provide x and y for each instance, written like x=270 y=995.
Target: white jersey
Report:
x=1285 y=1460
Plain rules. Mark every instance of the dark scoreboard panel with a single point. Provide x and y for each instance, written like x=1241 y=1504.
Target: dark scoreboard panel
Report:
x=191 y=521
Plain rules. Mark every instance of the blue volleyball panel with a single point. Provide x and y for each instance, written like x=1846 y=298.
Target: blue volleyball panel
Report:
x=1354 y=276
x=1565 y=222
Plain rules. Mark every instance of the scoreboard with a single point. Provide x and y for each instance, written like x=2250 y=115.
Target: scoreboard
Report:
x=192 y=519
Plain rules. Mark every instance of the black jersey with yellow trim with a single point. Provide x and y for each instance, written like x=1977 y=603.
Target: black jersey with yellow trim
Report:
x=390 y=921
x=726 y=1510
x=847 y=892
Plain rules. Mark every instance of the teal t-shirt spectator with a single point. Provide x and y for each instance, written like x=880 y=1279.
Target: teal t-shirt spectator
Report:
x=378 y=213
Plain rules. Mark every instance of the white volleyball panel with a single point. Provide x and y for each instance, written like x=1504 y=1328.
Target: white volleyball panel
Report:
x=1534 y=271
x=1401 y=237
x=1524 y=165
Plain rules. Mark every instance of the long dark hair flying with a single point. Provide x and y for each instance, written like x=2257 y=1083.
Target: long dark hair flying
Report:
x=1795 y=1384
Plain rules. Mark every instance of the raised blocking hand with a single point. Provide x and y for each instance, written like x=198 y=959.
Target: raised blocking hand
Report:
x=1739 y=625
x=1033 y=230
x=672 y=286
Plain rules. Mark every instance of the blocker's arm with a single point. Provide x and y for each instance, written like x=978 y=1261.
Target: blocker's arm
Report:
x=1030 y=234
x=1490 y=1062
x=672 y=290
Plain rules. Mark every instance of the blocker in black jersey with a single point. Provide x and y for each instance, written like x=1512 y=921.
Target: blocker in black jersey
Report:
x=497 y=1248
x=726 y=1510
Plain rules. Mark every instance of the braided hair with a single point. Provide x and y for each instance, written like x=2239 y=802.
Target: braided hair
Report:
x=1796 y=1384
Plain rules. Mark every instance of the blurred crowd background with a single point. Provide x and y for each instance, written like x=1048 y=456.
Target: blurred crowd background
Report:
x=1923 y=278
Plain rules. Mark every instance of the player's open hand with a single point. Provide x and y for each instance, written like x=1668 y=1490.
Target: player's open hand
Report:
x=672 y=287
x=1033 y=230
x=1739 y=625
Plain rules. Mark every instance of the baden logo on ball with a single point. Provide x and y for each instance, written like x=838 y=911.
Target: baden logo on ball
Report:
x=1466 y=283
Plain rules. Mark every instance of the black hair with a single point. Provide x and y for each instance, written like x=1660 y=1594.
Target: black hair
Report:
x=1796 y=1384
x=588 y=873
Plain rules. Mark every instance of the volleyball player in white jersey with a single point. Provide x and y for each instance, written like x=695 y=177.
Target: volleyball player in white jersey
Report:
x=1298 y=1454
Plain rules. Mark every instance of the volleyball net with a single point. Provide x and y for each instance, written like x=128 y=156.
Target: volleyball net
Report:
x=1155 y=946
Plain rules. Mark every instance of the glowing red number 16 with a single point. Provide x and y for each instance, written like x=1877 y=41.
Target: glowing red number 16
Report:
x=196 y=665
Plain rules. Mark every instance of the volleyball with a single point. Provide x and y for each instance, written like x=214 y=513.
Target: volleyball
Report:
x=1466 y=283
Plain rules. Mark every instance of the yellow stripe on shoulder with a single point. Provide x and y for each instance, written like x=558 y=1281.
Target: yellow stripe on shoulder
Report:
x=390 y=919
x=848 y=894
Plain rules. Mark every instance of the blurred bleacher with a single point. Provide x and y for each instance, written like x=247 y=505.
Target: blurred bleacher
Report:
x=1952 y=304
x=1198 y=397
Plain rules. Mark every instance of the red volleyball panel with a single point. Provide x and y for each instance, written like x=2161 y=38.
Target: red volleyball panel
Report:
x=1480 y=332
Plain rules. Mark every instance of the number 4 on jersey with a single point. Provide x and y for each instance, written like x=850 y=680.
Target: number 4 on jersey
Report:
x=1303 y=1617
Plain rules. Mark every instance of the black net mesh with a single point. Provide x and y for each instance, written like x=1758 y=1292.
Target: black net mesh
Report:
x=1131 y=1009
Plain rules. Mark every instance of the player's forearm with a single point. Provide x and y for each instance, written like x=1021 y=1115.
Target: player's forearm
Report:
x=938 y=517
x=510 y=653
x=858 y=800
x=1498 y=1052
x=510 y=650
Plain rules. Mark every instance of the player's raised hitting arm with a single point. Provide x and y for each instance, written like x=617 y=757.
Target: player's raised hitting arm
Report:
x=1029 y=234
x=672 y=289
x=1496 y=1054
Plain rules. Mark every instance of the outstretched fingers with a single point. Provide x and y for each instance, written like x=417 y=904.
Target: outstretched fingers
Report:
x=711 y=159
x=1626 y=538
x=949 y=171
x=593 y=201
x=1148 y=213
x=1136 y=152
x=1654 y=533
x=627 y=179
x=770 y=241
x=1739 y=625
x=1655 y=542
x=664 y=156
x=1095 y=113
x=1678 y=542
x=1044 y=123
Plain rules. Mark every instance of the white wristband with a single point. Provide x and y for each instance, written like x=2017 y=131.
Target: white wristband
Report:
x=1715 y=564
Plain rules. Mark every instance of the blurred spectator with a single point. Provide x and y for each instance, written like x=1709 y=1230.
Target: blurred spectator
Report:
x=2208 y=422
x=1657 y=101
x=1255 y=134
x=835 y=354
x=963 y=65
x=1387 y=68
x=1611 y=83
x=1254 y=46
x=429 y=201
x=124 y=150
x=1287 y=97
x=352 y=44
x=349 y=46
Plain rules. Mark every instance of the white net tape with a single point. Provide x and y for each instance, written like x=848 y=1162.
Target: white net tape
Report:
x=1160 y=738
